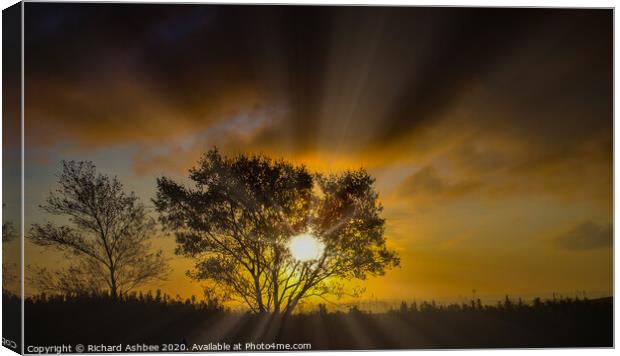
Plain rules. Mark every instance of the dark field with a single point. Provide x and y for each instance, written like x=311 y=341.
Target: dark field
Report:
x=160 y=320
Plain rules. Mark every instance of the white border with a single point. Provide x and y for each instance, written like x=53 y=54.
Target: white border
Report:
x=476 y=3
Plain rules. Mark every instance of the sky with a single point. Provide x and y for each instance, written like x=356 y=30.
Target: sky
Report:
x=489 y=131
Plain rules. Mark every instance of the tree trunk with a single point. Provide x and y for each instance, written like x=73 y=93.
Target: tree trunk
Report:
x=276 y=292
x=291 y=306
x=113 y=287
x=259 y=295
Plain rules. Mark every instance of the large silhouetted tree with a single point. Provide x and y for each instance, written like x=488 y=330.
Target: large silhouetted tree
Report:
x=237 y=219
x=109 y=235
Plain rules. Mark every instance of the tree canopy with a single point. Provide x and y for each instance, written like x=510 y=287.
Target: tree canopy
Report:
x=110 y=235
x=237 y=220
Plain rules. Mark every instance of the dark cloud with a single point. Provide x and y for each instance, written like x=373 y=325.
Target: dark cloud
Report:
x=427 y=182
x=509 y=94
x=191 y=55
x=586 y=236
x=11 y=83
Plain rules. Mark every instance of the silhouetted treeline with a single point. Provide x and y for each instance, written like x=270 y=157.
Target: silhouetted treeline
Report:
x=156 y=318
x=11 y=320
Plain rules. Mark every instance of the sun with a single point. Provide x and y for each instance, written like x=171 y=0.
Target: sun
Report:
x=306 y=247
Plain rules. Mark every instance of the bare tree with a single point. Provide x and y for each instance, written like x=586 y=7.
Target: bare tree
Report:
x=9 y=275
x=110 y=233
x=8 y=231
x=238 y=222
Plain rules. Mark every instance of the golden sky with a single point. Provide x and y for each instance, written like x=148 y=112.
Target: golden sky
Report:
x=489 y=130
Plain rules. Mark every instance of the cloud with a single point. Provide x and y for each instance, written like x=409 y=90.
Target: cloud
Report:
x=231 y=136
x=586 y=236
x=426 y=182
x=522 y=108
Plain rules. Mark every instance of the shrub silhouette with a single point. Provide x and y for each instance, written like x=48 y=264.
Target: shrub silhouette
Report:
x=156 y=318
